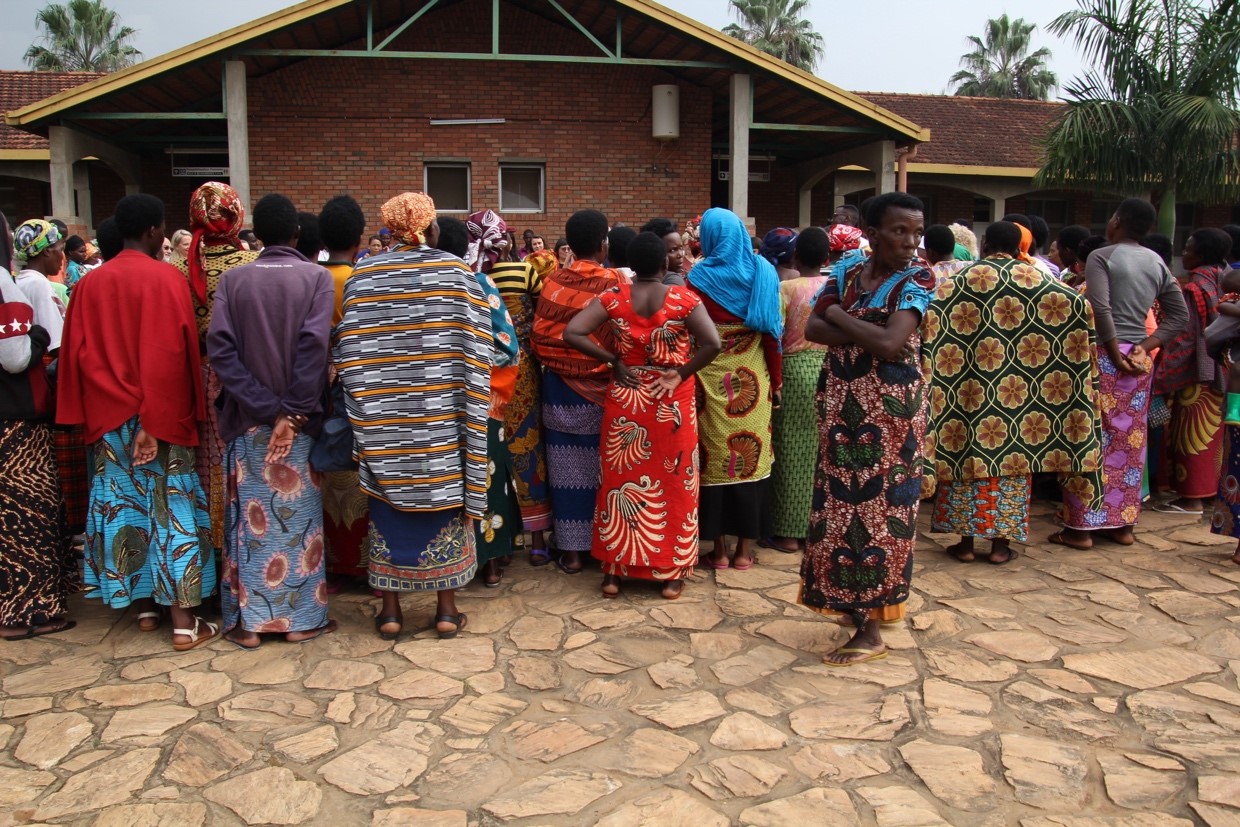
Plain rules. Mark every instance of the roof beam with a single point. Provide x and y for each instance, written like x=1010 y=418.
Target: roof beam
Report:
x=399 y=29
x=577 y=24
x=512 y=58
x=146 y=116
x=808 y=127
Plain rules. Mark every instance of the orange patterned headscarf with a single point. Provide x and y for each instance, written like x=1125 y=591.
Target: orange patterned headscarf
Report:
x=215 y=215
x=544 y=263
x=1026 y=241
x=409 y=215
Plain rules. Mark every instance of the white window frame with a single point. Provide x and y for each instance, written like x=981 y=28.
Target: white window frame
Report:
x=469 y=183
x=542 y=185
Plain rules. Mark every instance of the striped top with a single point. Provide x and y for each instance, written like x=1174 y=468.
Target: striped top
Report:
x=566 y=293
x=413 y=350
x=515 y=278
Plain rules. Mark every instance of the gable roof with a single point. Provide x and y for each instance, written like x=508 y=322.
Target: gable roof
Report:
x=19 y=89
x=974 y=132
x=651 y=32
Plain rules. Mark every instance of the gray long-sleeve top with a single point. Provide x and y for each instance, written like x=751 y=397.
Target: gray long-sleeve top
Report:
x=1122 y=282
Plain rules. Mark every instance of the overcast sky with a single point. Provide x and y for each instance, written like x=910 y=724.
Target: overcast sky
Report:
x=872 y=45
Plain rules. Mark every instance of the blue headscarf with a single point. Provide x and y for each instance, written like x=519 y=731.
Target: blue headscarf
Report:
x=729 y=272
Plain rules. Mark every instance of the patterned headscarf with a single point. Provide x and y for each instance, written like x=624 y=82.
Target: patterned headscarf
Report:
x=216 y=215
x=843 y=237
x=778 y=245
x=544 y=263
x=485 y=228
x=409 y=215
x=33 y=237
x=1026 y=241
x=692 y=236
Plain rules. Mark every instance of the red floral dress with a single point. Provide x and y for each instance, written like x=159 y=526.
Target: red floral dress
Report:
x=646 y=516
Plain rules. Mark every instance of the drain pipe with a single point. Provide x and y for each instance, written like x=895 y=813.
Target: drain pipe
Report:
x=903 y=155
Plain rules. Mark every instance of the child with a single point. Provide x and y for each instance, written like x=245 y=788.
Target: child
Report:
x=1223 y=342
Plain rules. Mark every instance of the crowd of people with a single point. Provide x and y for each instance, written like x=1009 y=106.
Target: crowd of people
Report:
x=280 y=410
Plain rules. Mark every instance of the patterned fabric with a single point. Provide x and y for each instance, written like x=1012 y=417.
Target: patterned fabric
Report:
x=408 y=215
x=346 y=523
x=209 y=458
x=74 y=475
x=36 y=562
x=519 y=285
x=991 y=508
x=947 y=269
x=745 y=285
x=416 y=551
x=566 y=293
x=485 y=228
x=778 y=245
x=571 y=425
x=217 y=260
x=796 y=296
x=842 y=237
x=1195 y=440
x=734 y=410
x=497 y=530
x=1226 y=518
x=33 y=237
x=1111 y=497
x=273 y=578
x=795 y=441
x=506 y=348
x=1012 y=390
x=148 y=533
x=216 y=216
x=1178 y=365
x=414 y=353
x=647 y=508
x=872 y=415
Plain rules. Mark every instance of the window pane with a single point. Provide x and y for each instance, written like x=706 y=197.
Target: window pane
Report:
x=981 y=209
x=448 y=185
x=521 y=189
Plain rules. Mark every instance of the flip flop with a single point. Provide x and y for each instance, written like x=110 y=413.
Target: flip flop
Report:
x=460 y=620
x=1172 y=508
x=539 y=557
x=380 y=622
x=856 y=650
x=559 y=564
x=148 y=616
x=717 y=564
x=1059 y=539
x=1109 y=535
x=195 y=639
x=957 y=551
x=241 y=645
x=34 y=631
x=1012 y=555
x=325 y=629
x=745 y=567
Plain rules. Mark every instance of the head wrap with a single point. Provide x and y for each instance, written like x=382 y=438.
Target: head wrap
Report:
x=33 y=237
x=961 y=253
x=778 y=245
x=217 y=215
x=485 y=228
x=544 y=263
x=409 y=215
x=965 y=238
x=842 y=237
x=1026 y=241
x=692 y=235
x=743 y=283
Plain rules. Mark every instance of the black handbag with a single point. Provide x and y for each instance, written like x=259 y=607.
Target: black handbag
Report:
x=333 y=447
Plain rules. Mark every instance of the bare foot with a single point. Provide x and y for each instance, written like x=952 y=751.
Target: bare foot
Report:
x=311 y=634
x=243 y=638
x=611 y=585
x=672 y=589
x=962 y=551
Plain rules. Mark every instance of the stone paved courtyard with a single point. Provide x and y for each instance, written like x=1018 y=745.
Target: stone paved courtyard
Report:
x=1066 y=689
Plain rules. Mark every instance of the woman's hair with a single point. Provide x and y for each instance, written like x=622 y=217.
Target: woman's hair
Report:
x=1071 y=236
x=813 y=247
x=1233 y=230
x=647 y=253
x=1002 y=237
x=660 y=227
x=176 y=238
x=453 y=236
x=108 y=236
x=275 y=219
x=1094 y=242
x=586 y=230
x=1041 y=232
x=939 y=239
x=618 y=241
x=137 y=214
x=309 y=242
x=560 y=242
x=875 y=209
x=1213 y=245
x=1136 y=216
x=341 y=223
x=1160 y=244
x=73 y=242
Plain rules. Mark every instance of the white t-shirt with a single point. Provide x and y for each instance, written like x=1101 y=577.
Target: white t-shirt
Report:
x=49 y=313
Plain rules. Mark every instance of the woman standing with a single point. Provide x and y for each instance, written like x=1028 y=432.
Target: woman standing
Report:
x=1012 y=393
x=741 y=294
x=646 y=517
x=1122 y=282
x=859 y=552
x=215 y=218
x=795 y=423
x=36 y=562
x=1189 y=377
x=519 y=285
x=268 y=343
x=414 y=353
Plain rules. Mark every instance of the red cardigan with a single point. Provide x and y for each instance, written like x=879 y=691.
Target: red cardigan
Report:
x=130 y=348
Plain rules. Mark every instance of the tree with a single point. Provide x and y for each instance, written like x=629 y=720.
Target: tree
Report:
x=81 y=36
x=1159 y=113
x=778 y=28
x=1001 y=65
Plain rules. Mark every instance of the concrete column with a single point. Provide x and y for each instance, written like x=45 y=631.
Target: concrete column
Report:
x=63 y=155
x=740 y=108
x=884 y=166
x=237 y=110
x=998 y=208
x=805 y=203
x=81 y=187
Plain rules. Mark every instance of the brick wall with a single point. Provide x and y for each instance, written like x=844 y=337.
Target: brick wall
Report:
x=24 y=198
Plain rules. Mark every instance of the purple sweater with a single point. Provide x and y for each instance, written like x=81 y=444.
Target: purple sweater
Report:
x=268 y=340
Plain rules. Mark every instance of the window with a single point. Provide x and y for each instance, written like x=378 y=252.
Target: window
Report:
x=981 y=209
x=927 y=201
x=449 y=185
x=521 y=188
x=1100 y=215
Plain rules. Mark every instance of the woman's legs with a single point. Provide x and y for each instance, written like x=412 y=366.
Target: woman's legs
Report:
x=865 y=644
x=611 y=585
x=718 y=558
x=448 y=619
x=392 y=615
x=743 y=558
x=963 y=551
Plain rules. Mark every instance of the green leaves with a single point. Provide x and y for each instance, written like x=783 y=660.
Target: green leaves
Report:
x=1001 y=65
x=81 y=36
x=778 y=28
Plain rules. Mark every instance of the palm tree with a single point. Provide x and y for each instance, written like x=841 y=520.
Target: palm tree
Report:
x=1160 y=111
x=81 y=36
x=1001 y=65
x=777 y=28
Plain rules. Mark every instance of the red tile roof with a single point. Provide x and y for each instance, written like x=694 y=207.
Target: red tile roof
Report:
x=974 y=131
x=17 y=89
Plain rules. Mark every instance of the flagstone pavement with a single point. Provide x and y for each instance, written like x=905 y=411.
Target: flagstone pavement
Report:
x=1066 y=689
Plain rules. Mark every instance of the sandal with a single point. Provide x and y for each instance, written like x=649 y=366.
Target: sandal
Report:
x=460 y=620
x=957 y=550
x=55 y=627
x=195 y=639
x=870 y=655
x=1012 y=554
x=239 y=644
x=325 y=629
x=559 y=563
x=144 y=625
x=1061 y=539
x=672 y=589
x=1172 y=508
x=1111 y=534
x=380 y=622
x=492 y=574
x=539 y=557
